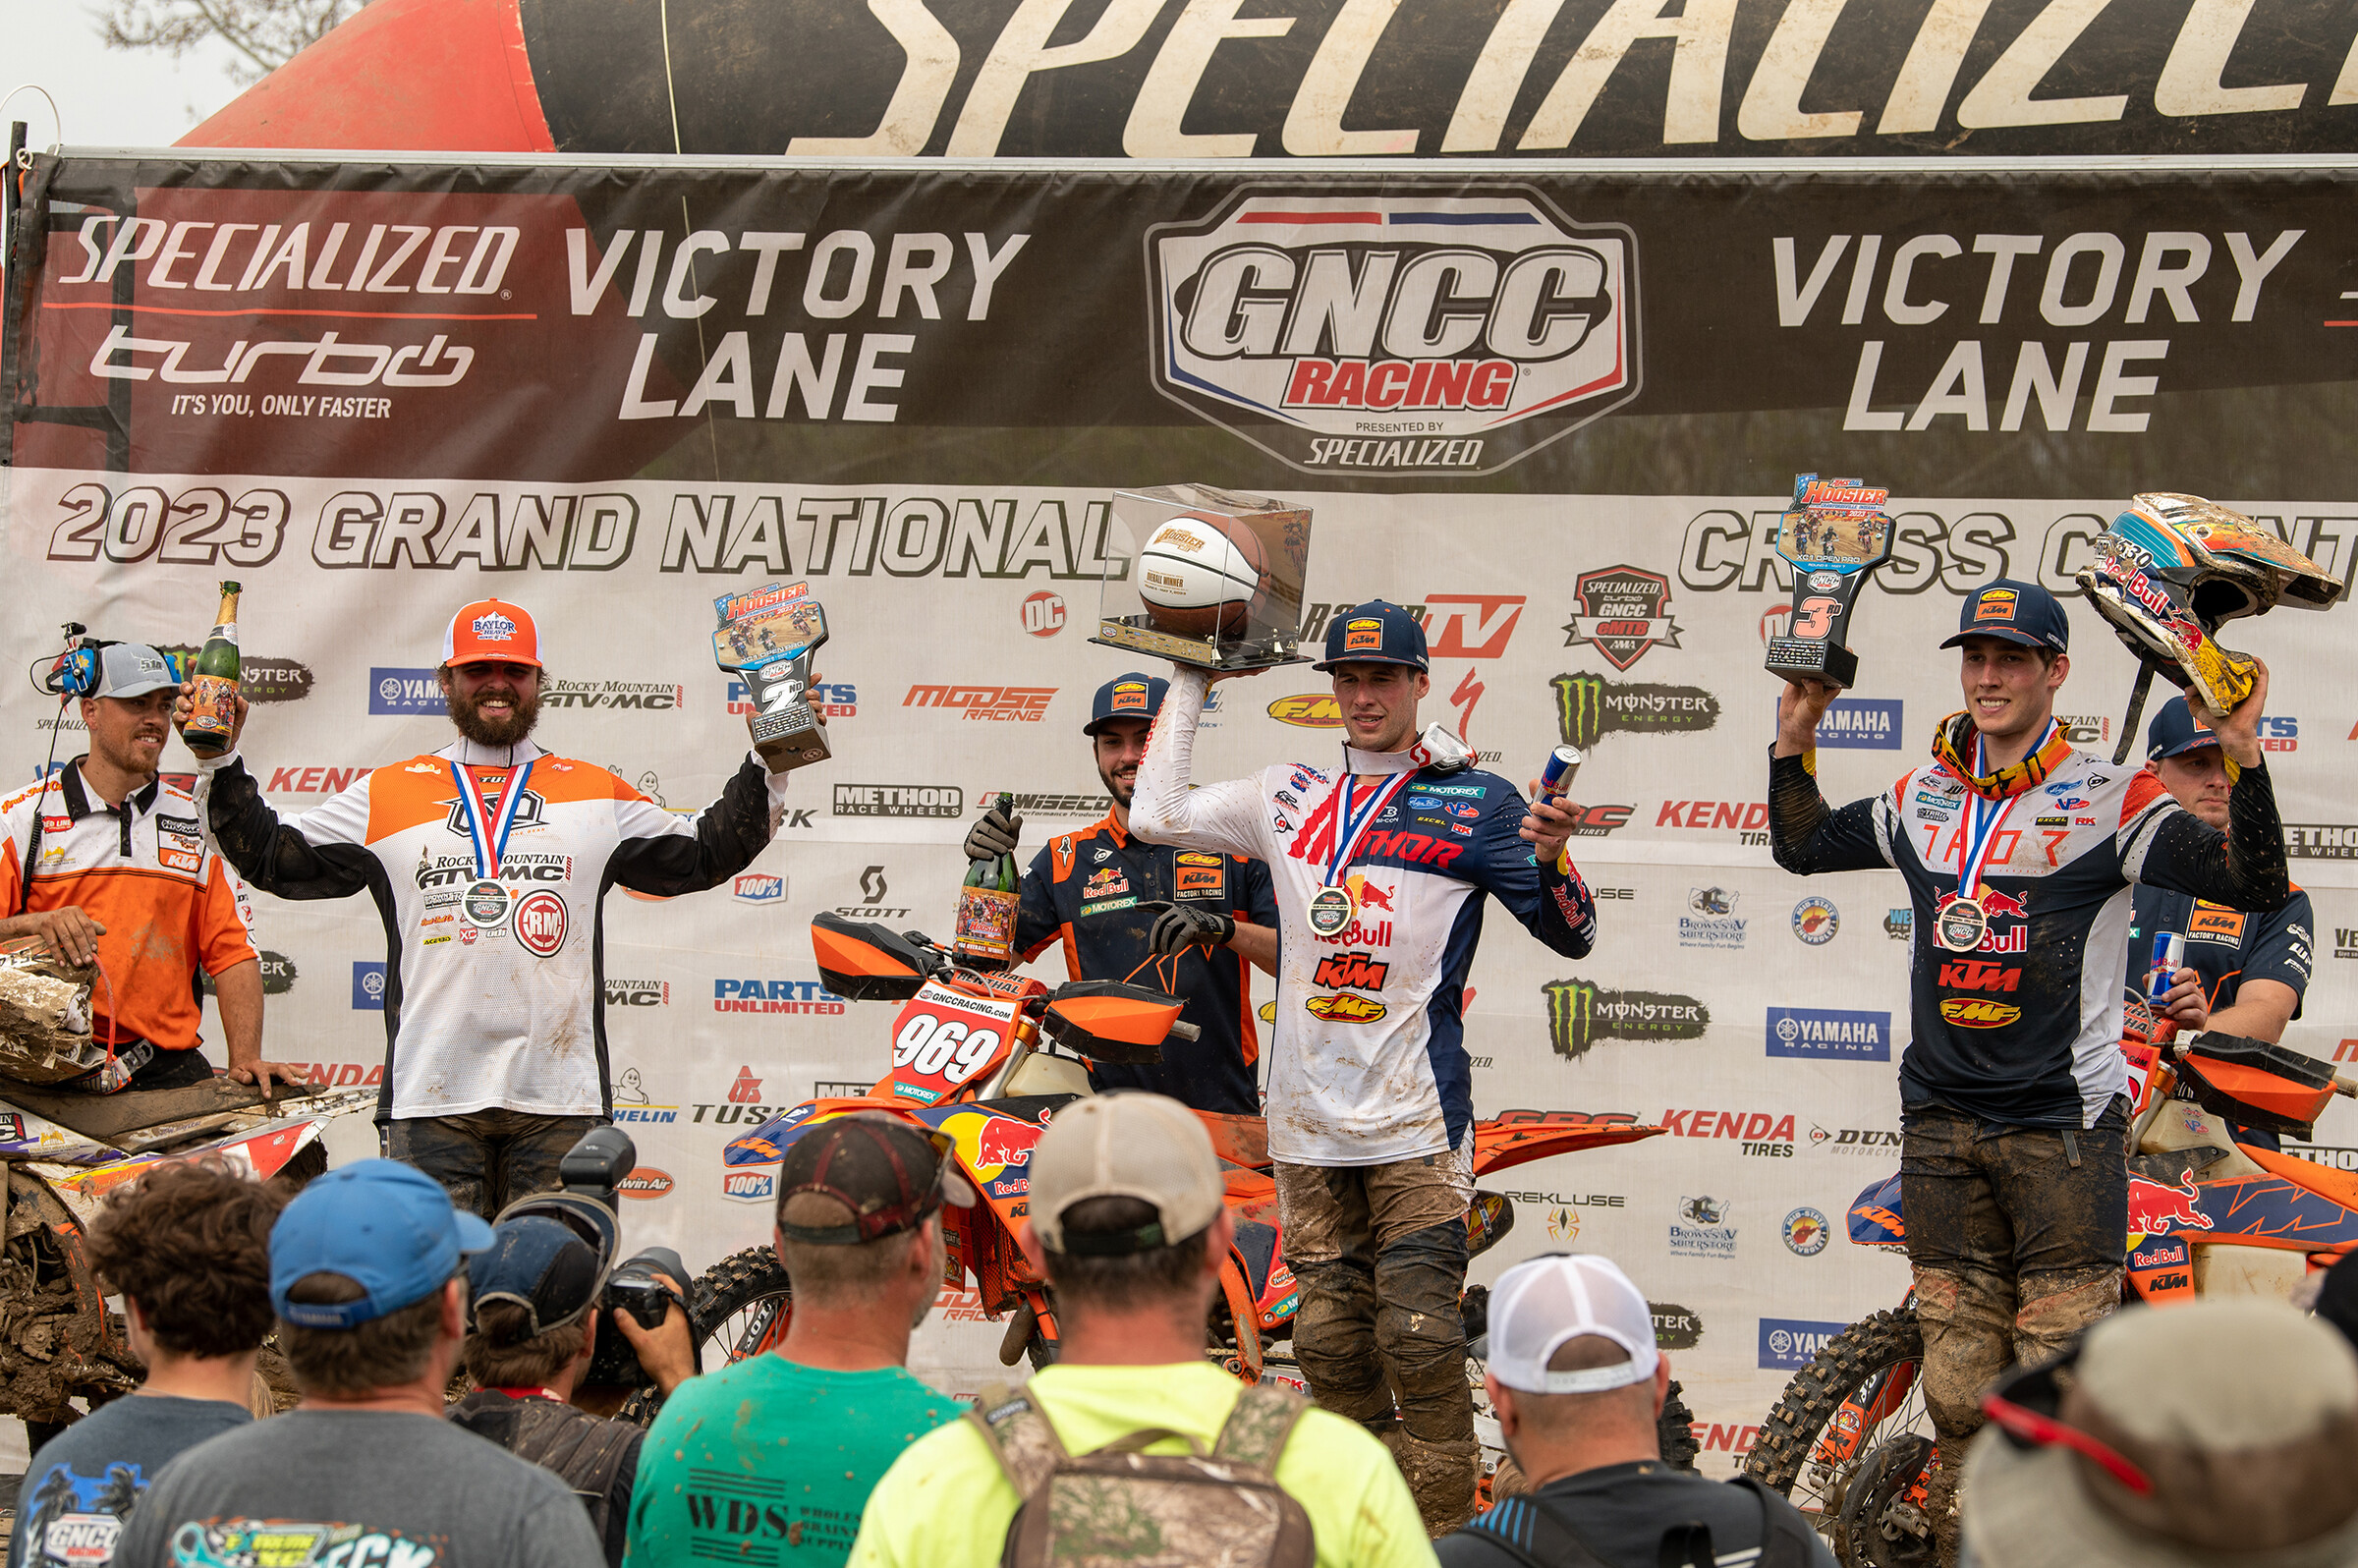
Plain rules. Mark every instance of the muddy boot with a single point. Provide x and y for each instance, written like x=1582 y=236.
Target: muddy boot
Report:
x=1440 y=1476
x=1941 y=1502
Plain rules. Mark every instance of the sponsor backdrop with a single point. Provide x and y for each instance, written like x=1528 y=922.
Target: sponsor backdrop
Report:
x=1555 y=416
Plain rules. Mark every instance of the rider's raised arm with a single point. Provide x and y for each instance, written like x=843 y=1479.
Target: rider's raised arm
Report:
x=1165 y=809
x=321 y=854
x=2164 y=844
x=1807 y=836
x=668 y=855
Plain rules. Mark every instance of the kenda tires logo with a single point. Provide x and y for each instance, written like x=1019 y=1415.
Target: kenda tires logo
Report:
x=1395 y=334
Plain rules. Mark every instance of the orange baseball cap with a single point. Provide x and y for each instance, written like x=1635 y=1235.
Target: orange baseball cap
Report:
x=488 y=632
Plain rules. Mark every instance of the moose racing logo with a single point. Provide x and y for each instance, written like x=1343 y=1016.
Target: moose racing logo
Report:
x=1395 y=334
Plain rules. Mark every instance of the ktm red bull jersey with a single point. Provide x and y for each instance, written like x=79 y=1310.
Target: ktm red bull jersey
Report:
x=2024 y=1029
x=1367 y=1062
x=494 y=979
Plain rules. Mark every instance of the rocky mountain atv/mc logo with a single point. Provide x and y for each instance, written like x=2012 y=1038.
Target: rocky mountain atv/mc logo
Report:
x=1395 y=334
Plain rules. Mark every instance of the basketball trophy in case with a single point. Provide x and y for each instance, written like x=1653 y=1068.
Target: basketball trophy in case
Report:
x=1834 y=536
x=1206 y=577
x=767 y=638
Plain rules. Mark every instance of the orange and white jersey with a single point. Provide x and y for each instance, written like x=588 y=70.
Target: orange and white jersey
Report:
x=169 y=905
x=491 y=905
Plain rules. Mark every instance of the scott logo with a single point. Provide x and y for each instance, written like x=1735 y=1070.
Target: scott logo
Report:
x=1344 y=1009
x=1289 y=318
x=1354 y=971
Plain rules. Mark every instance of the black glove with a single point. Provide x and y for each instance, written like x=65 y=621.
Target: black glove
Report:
x=1180 y=927
x=994 y=834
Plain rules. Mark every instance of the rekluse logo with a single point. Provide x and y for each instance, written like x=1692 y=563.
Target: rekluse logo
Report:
x=1483 y=327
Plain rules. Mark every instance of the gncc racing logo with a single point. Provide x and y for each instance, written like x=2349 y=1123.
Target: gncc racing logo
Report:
x=1395 y=334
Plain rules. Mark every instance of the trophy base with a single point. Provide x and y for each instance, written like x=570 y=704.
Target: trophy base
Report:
x=1251 y=653
x=1806 y=659
x=790 y=741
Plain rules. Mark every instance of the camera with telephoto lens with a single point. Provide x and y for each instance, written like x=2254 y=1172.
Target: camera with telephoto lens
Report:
x=591 y=1172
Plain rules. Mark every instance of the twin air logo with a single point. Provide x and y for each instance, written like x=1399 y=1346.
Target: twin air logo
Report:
x=1395 y=334
x=1579 y=1014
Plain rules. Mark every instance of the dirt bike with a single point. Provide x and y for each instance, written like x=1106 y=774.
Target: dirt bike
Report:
x=1850 y=1441
x=65 y=1150
x=988 y=1060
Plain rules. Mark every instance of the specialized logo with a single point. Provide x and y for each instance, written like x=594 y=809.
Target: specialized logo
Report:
x=1312 y=710
x=1806 y=1232
x=1824 y=1033
x=1579 y=1014
x=539 y=922
x=1345 y=1009
x=1971 y=1012
x=1027 y=705
x=1815 y=920
x=1395 y=334
x=1621 y=611
x=1350 y=971
x=1869 y=723
x=1588 y=708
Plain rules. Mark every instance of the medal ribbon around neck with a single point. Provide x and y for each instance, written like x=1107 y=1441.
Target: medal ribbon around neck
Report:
x=1983 y=817
x=1349 y=827
x=489 y=826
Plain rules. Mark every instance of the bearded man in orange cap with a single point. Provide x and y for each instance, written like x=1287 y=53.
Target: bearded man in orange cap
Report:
x=487 y=861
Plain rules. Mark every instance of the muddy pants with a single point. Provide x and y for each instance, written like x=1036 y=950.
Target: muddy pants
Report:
x=1380 y=1251
x=2017 y=1236
x=489 y=1159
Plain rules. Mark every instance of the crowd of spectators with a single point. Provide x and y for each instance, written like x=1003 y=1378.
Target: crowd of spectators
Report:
x=2131 y=1449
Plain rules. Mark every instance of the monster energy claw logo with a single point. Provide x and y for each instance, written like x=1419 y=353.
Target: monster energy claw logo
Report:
x=1588 y=706
x=1579 y=1014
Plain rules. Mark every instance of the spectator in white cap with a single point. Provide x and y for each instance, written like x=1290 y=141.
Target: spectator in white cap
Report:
x=1577 y=1385
x=2140 y=1449
x=1129 y=1226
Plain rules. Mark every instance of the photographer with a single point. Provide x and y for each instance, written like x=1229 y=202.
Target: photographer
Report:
x=535 y=1333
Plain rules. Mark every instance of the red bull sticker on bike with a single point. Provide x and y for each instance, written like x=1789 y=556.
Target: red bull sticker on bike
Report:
x=995 y=1150
x=2256 y=1210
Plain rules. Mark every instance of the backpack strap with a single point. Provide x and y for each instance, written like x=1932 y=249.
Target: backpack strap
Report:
x=1534 y=1534
x=1785 y=1536
x=1258 y=1426
x=1022 y=1439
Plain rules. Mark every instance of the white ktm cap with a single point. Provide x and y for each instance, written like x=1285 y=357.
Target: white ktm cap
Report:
x=1539 y=1305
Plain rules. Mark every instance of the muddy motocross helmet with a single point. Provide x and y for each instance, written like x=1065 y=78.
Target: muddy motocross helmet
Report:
x=2172 y=569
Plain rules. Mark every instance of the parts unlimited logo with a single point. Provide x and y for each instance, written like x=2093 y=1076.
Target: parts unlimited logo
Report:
x=1588 y=708
x=1579 y=1014
x=1395 y=334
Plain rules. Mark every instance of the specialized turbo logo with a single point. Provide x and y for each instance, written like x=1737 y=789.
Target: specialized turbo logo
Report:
x=1395 y=334
x=1579 y=1014
x=1589 y=706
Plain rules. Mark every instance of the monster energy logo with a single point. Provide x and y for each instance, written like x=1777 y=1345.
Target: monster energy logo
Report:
x=1579 y=1014
x=1588 y=706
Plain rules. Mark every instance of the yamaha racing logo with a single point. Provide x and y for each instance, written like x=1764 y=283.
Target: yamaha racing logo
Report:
x=1397 y=334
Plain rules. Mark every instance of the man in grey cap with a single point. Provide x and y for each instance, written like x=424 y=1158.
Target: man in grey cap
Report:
x=104 y=860
x=2153 y=1457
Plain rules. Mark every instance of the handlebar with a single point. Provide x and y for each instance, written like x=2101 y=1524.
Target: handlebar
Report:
x=1182 y=1030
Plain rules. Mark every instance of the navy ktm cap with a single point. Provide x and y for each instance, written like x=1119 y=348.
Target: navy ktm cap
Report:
x=1132 y=696
x=2017 y=612
x=2175 y=731
x=1374 y=632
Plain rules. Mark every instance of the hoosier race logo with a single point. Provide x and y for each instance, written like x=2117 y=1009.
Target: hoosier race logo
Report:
x=1395 y=334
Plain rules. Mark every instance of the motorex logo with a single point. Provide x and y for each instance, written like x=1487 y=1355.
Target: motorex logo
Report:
x=405 y=692
x=1789 y=1344
x=1867 y=723
x=1395 y=334
x=1823 y=1032
x=368 y=986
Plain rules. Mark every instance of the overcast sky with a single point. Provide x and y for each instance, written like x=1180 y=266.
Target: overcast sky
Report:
x=106 y=97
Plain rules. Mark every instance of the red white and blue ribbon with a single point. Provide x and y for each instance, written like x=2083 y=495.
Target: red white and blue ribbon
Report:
x=1351 y=827
x=1983 y=818
x=488 y=826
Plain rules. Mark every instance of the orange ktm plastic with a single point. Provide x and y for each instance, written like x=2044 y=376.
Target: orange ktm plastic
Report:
x=1238 y=1140
x=2339 y=1185
x=847 y=955
x=2268 y=1090
x=1120 y=1018
x=1497 y=1146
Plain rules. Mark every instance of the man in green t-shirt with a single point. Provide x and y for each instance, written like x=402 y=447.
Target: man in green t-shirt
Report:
x=1128 y=1225
x=771 y=1460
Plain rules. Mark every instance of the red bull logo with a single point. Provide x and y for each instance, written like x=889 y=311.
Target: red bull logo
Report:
x=1369 y=895
x=991 y=1146
x=2154 y=1208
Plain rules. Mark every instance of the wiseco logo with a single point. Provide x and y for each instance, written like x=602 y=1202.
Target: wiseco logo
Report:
x=1293 y=312
x=1312 y=710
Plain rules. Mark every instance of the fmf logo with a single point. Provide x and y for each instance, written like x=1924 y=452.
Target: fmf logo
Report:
x=1972 y=1012
x=1344 y=1009
x=1312 y=710
x=1488 y=325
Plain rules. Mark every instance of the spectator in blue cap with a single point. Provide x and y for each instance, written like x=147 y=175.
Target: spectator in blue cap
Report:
x=1190 y=922
x=367 y=1278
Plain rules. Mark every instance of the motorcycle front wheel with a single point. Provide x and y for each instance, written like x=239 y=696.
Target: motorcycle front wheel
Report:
x=734 y=1308
x=1841 y=1425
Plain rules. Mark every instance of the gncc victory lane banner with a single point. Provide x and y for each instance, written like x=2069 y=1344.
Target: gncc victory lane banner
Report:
x=1558 y=411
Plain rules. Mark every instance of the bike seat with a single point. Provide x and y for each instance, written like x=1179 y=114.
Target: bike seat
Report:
x=108 y=1117
x=1238 y=1140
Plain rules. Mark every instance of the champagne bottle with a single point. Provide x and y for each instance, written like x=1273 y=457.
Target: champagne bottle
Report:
x=987 y=903
x=213 y=681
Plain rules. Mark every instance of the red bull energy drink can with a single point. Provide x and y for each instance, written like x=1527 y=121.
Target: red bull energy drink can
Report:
x=2169 y=956
x=1555 y=774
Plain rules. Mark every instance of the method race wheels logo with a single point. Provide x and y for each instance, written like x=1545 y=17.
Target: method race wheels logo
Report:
x=1395 y=334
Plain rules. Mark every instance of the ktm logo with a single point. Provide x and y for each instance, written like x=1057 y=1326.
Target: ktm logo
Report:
x=1971 y=1012
x=1345 y=1009
x=1979 y=975
x=1313 y=710
x=1353 y=971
